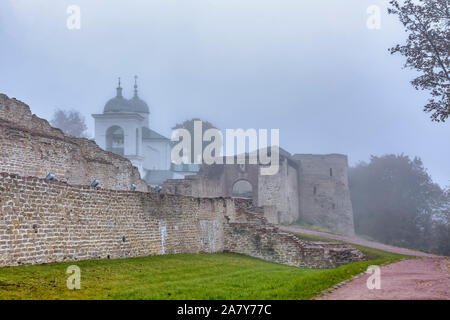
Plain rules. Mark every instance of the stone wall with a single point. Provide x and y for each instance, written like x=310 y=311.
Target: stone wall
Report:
x=278 y=191
x=249 y=233
x=29 y=146
x=310 y=188
x=66 y=220
x=268 y=243
x=324 y=192
x=194 y=186
x=47 y=221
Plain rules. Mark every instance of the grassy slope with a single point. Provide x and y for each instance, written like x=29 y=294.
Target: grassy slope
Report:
x=183 y=276
x=308 y=226
x=371 y=253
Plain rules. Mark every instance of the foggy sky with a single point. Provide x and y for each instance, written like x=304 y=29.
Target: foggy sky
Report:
x=310 y=68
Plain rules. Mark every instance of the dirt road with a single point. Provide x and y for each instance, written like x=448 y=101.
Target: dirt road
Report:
x=426 y=278
x=413 y=279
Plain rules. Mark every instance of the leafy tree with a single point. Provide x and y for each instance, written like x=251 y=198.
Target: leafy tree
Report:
x=441 y=226
x=396 y=202
x=427 y=49
x=71 y=122
x=189 y=126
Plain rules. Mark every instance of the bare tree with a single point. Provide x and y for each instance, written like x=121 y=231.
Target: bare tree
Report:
x=427 y=49
x=70 y=121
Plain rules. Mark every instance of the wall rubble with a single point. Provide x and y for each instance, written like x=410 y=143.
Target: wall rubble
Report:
x=250 y=234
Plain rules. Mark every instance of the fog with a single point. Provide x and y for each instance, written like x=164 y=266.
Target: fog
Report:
x=311 y=69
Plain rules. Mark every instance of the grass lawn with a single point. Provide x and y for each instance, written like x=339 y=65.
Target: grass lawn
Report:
x=181 y=276
x=312 y=227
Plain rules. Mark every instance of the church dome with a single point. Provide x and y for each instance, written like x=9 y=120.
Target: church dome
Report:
x=117 y=104
x=120 y=104
x=136 y=103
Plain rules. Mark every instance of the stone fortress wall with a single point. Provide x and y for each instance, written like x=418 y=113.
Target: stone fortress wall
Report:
x=29 y=146
x=308 y=188
x=45 y=221
x=66 y=220
x=324 y=192
x=277 y=193
x=49 y=221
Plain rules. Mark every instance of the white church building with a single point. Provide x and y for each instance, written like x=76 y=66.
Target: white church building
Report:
x=123 y=128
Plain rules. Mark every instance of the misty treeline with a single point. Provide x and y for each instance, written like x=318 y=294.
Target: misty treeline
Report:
x=396 y=202
x=71 y=122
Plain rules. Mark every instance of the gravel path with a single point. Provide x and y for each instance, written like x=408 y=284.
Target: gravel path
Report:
x=359 y=241
x=426 y=278
x=412 y=279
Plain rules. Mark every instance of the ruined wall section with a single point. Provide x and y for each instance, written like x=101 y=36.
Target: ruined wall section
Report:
x=47 y=221
x=194 y=186
x=268 y=243
x=280 y=192
x=324 y=192
x=29 y=146
x=50 y=221
x=247 y=232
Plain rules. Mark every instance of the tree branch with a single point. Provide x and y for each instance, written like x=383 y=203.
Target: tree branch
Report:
x=425 y=33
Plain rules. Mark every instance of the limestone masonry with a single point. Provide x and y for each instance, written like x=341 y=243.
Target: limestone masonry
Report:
x=310 y=188
x=66 y=220
x=307 y=188
x=29 y=146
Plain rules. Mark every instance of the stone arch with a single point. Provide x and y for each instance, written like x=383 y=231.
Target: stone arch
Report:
x=115 y=140
x=242 y=188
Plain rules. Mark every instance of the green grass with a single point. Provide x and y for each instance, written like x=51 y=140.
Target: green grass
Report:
x=371 y=253
x=181 y=276
x=311 y=237
x=312 y=227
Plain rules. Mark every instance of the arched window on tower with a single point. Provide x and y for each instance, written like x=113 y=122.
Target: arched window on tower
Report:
x=115 y=140
x=242 y=189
